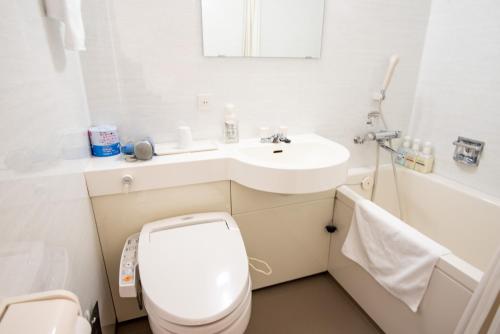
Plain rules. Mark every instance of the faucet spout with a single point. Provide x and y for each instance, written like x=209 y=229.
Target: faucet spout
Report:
x=276 y=139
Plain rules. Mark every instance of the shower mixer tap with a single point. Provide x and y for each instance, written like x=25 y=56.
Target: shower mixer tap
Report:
x=380 y=136
x=383 y=137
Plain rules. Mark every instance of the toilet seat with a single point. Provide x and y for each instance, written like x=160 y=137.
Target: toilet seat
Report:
x=194 y=273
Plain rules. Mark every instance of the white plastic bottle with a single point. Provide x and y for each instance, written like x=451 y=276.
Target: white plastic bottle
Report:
x=425 y=159
x=231 y=131
x=403 y=149
x=411 y=155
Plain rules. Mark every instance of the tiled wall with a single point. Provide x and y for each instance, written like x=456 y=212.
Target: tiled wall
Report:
x=144 y=68
x=48 y=238
x=458 y=91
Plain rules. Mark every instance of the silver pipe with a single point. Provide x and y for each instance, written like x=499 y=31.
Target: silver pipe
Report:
x=383 y=145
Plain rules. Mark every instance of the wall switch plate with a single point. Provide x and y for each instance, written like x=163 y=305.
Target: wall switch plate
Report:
x=204 y=102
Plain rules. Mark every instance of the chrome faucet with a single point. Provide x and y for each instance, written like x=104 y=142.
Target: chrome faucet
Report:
x=276 y=139
x=380 y=136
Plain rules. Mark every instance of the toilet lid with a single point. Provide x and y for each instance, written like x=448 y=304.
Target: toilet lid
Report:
x=193 y=272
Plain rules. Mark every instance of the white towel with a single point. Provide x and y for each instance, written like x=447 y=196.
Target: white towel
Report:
x=68 y=12
x=399 y=258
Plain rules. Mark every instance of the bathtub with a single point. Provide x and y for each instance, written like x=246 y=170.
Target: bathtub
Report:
x=461 y=219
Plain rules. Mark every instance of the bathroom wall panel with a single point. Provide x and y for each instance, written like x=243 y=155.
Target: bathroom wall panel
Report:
x=48 y=239
x=144 y=68
x=292 y=239
x=458 y=88
x=119 y=216
x=244 y=199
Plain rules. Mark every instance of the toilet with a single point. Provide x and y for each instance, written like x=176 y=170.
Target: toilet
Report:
x=194 y=275
x=47 y=312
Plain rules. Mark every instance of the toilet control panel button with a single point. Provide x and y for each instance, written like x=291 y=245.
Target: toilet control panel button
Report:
x=128 y=267
x=127 y=278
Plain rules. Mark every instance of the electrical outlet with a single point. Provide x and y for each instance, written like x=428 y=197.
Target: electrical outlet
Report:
x=204 y=102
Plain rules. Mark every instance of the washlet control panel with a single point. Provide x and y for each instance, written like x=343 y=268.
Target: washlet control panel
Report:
x=128 y=267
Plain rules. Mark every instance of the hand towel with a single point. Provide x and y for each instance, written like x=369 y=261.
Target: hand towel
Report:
x=397 y=256
x=68 y=12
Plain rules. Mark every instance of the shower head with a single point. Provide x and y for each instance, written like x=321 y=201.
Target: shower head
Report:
x=393 y=62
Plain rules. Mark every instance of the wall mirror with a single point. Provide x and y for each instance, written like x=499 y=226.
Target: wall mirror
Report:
x=262 y=28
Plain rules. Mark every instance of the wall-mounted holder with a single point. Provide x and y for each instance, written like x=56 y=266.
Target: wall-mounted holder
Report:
x=468 y=151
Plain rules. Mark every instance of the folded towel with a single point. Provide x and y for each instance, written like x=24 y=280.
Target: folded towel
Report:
x=68 y=12
x=399 y=258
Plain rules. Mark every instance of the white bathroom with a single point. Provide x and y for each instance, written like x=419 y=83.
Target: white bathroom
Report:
x=249 y=166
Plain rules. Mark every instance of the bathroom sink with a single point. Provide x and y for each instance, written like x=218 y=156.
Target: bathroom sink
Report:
x=291 y=156
x=308 y=164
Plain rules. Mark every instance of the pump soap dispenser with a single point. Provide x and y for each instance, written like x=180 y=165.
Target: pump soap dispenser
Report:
x=425 y=159
x=231 y=132
x=402 y=151
x=411 y=155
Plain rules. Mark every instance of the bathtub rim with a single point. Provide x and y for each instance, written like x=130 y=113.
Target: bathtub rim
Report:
x=450 y=264
x=355 y=176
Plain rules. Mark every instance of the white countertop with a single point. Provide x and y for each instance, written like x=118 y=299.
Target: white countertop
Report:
x=104 y=175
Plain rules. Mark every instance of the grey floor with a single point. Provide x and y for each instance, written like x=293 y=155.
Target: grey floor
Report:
x=315 y=304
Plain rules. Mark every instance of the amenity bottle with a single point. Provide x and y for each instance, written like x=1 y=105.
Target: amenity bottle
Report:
x=425 y=159
x=403 y=149
x=411 y=155
x=231 y=131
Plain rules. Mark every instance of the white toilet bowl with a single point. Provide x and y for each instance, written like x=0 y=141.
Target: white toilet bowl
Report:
x=194 y=275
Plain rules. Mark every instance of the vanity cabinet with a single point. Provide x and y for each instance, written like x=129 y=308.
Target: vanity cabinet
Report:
x=287 y=231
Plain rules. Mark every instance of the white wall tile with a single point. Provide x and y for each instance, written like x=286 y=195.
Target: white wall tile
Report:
x=48 y=239
x=144 y=68
x=458 y=90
